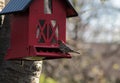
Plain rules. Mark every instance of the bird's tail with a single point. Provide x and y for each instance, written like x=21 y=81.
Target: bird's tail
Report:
x=76 y=52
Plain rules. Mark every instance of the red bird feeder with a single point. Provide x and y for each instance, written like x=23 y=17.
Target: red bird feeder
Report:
x=36 y=26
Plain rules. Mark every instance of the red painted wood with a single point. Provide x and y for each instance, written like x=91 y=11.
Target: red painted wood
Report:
x=19 y=36
x=25 y=26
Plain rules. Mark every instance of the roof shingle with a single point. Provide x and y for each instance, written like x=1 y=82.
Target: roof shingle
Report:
x=15 y=6
x=21 y=5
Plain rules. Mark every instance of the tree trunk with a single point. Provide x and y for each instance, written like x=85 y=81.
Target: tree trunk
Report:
x=13 y=71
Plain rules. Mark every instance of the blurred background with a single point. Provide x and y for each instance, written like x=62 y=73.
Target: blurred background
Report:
x=95 y=33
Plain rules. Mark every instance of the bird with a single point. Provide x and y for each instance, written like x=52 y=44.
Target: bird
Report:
x=64 y=48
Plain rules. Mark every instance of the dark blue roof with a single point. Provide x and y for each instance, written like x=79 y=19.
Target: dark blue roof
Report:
x=21 y=5
x=15 y=6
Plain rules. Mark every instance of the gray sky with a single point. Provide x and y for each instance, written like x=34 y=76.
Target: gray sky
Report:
x=105 y=27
